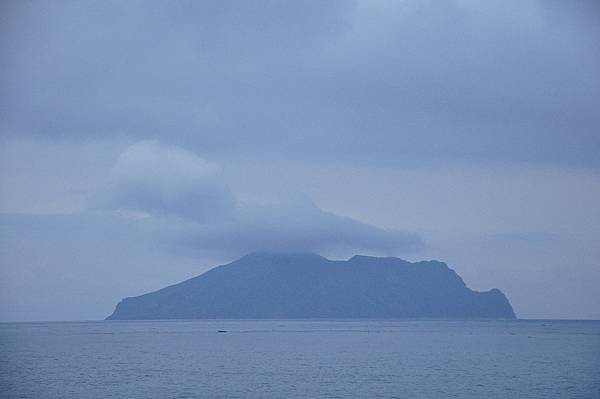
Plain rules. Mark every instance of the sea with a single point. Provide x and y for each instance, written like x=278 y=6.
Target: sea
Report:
x=301 y=359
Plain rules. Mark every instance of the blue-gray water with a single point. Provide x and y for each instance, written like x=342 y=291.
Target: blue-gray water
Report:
x=308 y=359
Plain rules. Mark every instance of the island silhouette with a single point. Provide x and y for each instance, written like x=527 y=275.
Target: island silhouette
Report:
x=303 y=285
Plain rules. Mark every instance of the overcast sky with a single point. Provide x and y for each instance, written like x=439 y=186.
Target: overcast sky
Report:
x=142 y=143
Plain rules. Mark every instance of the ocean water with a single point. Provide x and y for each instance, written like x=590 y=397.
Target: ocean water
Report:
x=301 y=359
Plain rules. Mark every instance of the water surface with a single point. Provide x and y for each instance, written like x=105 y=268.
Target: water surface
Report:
x=301 y=358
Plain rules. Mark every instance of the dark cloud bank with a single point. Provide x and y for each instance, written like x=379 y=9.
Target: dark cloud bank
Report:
x=376 y=82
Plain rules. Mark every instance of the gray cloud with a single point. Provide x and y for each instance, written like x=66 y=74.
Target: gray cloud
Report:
x=183 y=194
x=152 y=179
x=299 y=226
x=338 y=81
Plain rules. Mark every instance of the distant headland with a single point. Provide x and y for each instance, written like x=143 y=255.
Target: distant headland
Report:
x=289 y=286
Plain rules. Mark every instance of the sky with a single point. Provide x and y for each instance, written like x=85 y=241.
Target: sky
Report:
x=144 y=142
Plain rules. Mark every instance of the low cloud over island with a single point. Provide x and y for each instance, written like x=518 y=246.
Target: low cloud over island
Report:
x=174 y=187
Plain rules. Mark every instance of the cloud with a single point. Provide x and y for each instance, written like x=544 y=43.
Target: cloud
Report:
x=189 y=206
x=298 y=226
x=363 y=81
x=163 y=180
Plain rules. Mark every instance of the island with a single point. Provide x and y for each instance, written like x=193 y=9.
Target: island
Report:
x=291 y=286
